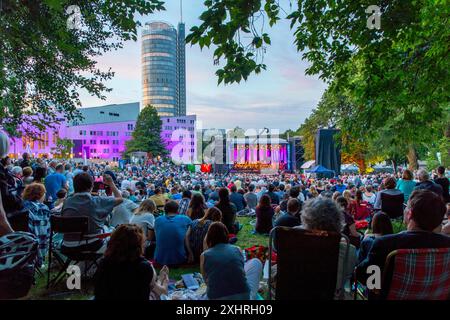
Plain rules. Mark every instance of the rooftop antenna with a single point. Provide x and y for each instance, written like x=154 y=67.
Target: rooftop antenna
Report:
x=181 y=10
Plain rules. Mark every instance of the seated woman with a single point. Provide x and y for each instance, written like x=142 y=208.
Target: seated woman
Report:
x=406 y=184
x=124 y=274
x=38 y=216
x=196 y=233
x=228 y=210
x=197 y=207
x=368 y=195
x=264 y=215
x=381 y=225
x=359 y=208
x=349 y=223
x=144 y=218
x=322 y=214
x=222 y=265
x=390 y=189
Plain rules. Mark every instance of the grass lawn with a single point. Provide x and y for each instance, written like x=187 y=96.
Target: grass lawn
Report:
x=38 y=291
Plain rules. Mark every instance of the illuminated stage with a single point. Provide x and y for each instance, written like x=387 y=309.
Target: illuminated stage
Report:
x=259 y=158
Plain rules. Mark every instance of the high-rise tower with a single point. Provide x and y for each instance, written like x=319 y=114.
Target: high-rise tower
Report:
x=164 y=68
x=181 y=68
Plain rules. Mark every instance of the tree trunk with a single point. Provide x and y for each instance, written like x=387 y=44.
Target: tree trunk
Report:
x=394 y=165
x=361 y=165
x=412 y=158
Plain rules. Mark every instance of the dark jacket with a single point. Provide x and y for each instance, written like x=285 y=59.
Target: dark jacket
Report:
x=238 y=200
x=9 y=192
x=274 y=199
x=264 y=219
x=444 y=183
x=429 y=185
x=228 y=215
x=384 y=245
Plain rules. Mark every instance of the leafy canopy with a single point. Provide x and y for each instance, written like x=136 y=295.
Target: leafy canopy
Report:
x=396 y=78
x=44 y=64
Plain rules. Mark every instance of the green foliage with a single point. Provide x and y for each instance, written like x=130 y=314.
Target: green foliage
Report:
x=146 y=136
x=398 y=226
x=227 y=25
x=63 y=148
x=44 y=64
x=395 y=79
x=441 y=146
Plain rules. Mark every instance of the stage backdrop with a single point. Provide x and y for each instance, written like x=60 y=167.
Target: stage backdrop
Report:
x=328 y=153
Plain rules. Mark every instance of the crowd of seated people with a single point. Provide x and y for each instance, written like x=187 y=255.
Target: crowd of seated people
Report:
x=172 y=217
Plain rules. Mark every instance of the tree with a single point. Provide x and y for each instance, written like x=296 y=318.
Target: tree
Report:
x=146 y=136
x=63 y=148
x=46 y=56
x=396 y=78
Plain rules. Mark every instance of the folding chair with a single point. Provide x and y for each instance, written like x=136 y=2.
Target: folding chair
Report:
x=307 y=263
x=417 y=274
x=74 y=225
x=392 y=205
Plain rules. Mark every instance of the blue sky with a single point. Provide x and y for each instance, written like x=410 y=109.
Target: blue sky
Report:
x=280 y=97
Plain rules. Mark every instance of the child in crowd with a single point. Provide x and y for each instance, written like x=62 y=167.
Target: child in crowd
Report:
x=61 y=195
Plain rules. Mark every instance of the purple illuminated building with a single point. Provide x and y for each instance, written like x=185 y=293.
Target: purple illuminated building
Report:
x=102 y=134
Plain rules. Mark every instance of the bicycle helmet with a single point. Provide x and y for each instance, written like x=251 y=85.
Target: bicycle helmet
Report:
x=18 y=252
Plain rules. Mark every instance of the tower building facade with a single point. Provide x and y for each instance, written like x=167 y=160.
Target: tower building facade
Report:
x=163 y=68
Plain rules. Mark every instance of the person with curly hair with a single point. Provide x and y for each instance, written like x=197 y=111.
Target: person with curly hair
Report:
x=38 y=215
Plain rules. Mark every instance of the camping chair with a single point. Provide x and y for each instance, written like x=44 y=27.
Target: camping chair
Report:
x=417 y=274
x=392 y=205
x=307 y=263
x=64 y=225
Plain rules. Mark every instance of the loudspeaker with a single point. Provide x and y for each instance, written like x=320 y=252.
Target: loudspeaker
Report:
x=328 y=152
x=297 y=153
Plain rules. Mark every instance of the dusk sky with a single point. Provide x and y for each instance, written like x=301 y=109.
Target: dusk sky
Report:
x=280 y=97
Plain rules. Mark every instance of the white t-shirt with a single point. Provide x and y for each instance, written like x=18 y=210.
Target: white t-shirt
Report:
x=145 y=220
x=123 y=213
